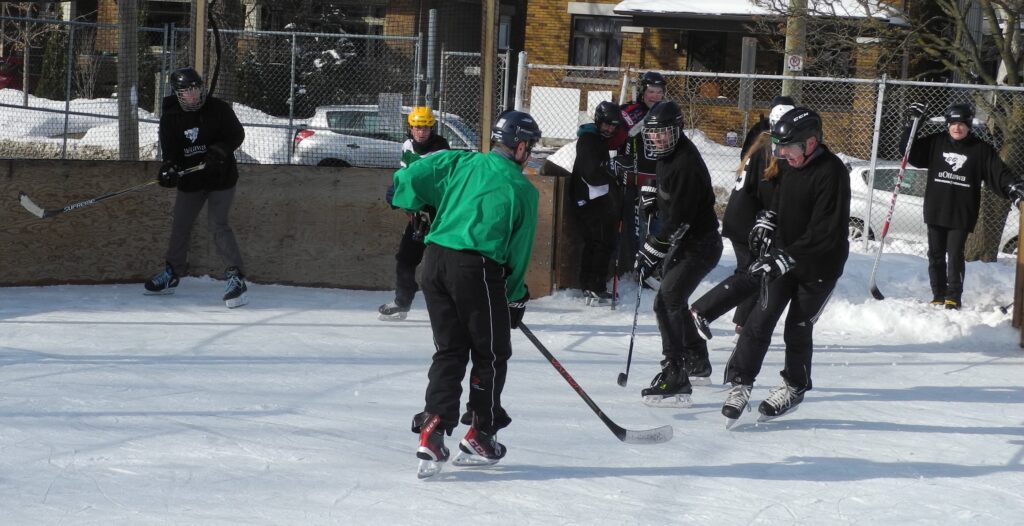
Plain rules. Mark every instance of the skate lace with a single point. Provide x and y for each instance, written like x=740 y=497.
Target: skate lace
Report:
x=234 y=282
x=781 y=397
x=738 y=397
x=162 y=278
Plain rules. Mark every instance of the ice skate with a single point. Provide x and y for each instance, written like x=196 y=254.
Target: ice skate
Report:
x=702 y=324
x=392 y=312
x=669 y=388
x=597 y=299
x=736 y=402
x=698 y=368
x=432 y=451
x=235 y=291
x=478 y=448
x=163 y=283
x=782 y=400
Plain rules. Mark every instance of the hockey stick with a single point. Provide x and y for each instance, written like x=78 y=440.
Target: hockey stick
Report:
x=1005 y=309
x=621 y=173
x=629 y=436
x=872 y=285
x=45 y=213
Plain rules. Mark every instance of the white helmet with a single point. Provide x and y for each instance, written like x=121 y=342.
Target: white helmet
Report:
x=777 y=113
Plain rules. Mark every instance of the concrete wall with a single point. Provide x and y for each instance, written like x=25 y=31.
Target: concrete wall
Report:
x=295 y=225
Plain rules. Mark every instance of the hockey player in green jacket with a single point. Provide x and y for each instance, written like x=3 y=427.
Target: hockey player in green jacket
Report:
x=474 y=271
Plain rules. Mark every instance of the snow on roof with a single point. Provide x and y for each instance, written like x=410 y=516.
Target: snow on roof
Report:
x=850 y=8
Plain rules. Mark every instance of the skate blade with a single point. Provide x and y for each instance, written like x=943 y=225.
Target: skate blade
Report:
x=469 y=460
x=165 y=292
x=428 y=468
x=234 y=303
x=729 y=422
x=700 y=380
x=398 y=316
x=680 y=401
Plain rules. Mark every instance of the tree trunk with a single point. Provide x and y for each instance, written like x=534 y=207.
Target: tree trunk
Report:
x=983 y=243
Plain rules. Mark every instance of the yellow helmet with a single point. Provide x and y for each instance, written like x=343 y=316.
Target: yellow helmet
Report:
x=422 y=116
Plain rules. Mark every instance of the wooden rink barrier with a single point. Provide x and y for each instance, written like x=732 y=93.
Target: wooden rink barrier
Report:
x=296 y=225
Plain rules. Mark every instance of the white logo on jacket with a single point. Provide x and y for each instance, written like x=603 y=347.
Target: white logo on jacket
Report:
x=192 y=134
x=954 y=160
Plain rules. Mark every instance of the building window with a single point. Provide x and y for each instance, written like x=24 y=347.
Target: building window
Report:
x=596 y=41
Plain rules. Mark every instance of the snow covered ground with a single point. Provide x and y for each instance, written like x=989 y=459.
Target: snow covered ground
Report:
x=119 y=408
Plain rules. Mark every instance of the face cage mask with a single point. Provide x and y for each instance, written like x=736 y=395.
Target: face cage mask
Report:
x=652 y=148
x=190 y=106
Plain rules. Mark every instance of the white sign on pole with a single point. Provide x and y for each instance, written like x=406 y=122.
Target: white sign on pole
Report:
x=795 y=63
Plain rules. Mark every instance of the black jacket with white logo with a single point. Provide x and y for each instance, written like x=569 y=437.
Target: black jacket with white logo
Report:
x=956 y=169
x=186 y=137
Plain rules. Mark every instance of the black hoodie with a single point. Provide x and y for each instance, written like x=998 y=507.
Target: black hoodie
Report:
x=186 y=136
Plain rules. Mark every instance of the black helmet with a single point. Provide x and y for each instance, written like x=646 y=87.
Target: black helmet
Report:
x=651 y=78
x=662 y=128
x=797 y=125
x=608 y=113
x=183 y=80
x=961 y=112
x=513 y=127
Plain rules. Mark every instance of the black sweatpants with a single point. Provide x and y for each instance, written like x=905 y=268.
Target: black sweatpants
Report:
x=409 y=256
x=740 y=290
x=690 y=262
x=599 y=221
x=946 y=262
x=806 y=300
x=468 y=310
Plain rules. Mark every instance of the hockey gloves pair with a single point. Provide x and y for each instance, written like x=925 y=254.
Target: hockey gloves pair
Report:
x=1016 y=193
x=760 y=237
x=773 y=265
x=217 y=160
x=649 y=200
x=650 y=255
x=516 y=310
x=169 y=175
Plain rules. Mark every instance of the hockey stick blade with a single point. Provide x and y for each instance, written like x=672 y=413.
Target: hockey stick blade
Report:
x=33 y=208
x=629 y=436
x=875 y=293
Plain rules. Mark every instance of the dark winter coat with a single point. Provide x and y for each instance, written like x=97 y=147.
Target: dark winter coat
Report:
x=685 y=195
x=813 y=216
x=187 y=138
x=956 y=170
x=592 y=166
x=751 y=194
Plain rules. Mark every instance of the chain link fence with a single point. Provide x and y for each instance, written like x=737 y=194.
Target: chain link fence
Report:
x=864 y=120
x=461 y=85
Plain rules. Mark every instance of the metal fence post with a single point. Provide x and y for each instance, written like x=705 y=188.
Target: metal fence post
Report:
x=431 y=52
x=521 y=81
x=67 y=90
x=291 y=103
x=880 y=99
x=505 y=80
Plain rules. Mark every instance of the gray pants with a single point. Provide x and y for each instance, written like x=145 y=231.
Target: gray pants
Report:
x=186 y=209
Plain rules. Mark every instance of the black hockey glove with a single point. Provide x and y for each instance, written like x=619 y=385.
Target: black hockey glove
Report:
x=649 y=199
x=1016 y=192
x=650 y=255
x=169 y=175
x=775 y=264
x=760 y=238
x=217 y=158
x=623 y=165
x=916 y=110
x=516 y=309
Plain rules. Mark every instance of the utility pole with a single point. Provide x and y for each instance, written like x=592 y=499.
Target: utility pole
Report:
x=796 y=47
x=199 y=35
x=488 y=52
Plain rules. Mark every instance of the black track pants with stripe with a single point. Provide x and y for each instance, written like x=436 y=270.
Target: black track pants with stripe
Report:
x=465 y=295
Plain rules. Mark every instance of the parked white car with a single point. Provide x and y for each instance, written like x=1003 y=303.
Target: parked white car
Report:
x=908 y=217
x=357 y=135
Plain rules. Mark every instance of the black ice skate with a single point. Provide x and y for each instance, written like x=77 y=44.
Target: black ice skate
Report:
x=597 y=299
x=736 y=402
x=698 y=368
x=478 y=448
x=703 y=327
x=669 y=388
x=235 y=292
x=163 y=283
x=392 y=312
x=431 y=452
x=783 y=399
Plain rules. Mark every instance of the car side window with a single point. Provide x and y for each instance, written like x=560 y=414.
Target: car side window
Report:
x=347 y=122
x=453 y=138
x=913 y=180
